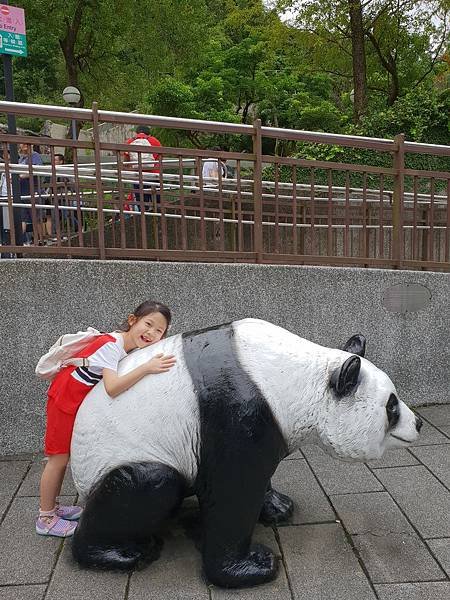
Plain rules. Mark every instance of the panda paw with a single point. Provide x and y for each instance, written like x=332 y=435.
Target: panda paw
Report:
x=259 y=566
x=132 y=556
x=277 y=508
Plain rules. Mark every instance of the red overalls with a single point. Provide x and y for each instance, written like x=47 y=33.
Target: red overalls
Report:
x=65 y=395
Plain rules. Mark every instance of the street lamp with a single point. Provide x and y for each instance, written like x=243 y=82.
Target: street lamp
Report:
x=72 y=96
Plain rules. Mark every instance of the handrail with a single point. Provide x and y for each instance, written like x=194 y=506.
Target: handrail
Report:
x=86 y=114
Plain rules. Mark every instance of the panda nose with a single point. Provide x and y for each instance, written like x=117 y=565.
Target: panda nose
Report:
x=419 y=423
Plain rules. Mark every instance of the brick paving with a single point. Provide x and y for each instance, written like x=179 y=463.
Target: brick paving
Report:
x=364 y=532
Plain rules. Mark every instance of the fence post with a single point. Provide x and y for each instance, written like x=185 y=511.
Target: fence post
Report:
x=397 y=200
x=98 y=182
x=257 y=191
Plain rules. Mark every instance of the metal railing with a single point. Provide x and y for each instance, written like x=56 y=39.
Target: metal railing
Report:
x=268 y=209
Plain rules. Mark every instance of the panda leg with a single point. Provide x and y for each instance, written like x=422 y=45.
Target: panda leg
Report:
x=229 y=517
x=241 y=445
x=126 y=507
x=277 y=507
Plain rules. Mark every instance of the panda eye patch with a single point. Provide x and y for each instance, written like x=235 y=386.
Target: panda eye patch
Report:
x=393 y=410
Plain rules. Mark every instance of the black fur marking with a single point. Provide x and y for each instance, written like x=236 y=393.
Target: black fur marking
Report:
x=393 y=411
x=122 y=513
x=344 y=379
x=277 y=508
x=241 y=446
x=356 y=345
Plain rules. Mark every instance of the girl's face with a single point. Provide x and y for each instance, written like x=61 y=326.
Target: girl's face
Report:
x=147 y=330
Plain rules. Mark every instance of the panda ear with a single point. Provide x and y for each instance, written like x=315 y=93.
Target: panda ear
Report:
x=355 y=345
x=345 y=379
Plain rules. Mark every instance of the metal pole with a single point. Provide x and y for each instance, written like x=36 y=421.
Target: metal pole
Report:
x=98 y=184
x=74 y=130
x=397 y=199
x=257 y=190
x=12 y=130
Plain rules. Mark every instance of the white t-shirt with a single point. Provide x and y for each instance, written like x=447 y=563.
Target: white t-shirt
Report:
x=108 y=356
x=210 y=170
x=4 y=195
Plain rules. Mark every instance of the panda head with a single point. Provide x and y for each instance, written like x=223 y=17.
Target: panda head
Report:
x=363 y=415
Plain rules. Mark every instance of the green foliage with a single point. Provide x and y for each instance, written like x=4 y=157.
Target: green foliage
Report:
x=236 y=60
x=423 y=115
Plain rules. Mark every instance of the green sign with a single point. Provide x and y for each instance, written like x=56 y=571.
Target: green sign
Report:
x=13 y=38
x=13 y=43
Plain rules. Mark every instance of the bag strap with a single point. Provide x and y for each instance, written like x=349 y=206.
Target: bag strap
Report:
x=76 y=362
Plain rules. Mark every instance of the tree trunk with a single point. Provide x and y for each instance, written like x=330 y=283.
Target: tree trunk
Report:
x=67 y=44
x=358 y=59
x=394 y=86
x=389 y=62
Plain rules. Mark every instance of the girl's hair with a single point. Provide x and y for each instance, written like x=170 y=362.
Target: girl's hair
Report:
x=147 y=308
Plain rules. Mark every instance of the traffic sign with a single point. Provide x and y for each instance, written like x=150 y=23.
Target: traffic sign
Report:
x=13 y=39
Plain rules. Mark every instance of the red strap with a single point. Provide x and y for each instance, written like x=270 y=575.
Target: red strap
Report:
x=93 y=346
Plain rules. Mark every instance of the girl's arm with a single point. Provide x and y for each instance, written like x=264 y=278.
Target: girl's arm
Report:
x=116 y=384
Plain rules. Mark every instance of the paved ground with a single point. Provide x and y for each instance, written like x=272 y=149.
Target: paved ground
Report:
x=362 y=532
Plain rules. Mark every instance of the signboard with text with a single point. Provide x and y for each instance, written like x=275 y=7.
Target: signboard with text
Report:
x=13 y=39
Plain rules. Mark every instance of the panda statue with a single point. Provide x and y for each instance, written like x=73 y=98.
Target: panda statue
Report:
x=241 y=397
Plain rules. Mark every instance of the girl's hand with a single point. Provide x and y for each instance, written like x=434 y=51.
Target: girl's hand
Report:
x=160 y=363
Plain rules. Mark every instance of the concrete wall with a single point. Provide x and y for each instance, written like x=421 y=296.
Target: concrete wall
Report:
x=41 y=299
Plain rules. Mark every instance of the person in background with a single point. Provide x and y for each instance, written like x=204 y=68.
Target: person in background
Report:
x=211 y=169
x=4 y=215
x=27 y=156
x=62 y=187
x=148 y=161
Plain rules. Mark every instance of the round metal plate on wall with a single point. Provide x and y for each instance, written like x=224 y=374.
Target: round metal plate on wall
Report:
x=406 y=297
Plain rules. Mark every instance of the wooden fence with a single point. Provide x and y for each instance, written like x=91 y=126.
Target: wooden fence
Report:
x=263 y=209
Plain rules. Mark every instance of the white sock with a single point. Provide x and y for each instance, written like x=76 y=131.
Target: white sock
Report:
x=47 y=513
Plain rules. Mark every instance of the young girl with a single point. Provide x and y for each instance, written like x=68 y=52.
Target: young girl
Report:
x=145 y=326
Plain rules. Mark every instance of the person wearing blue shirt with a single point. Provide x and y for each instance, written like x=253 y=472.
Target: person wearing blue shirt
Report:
x=27 y=156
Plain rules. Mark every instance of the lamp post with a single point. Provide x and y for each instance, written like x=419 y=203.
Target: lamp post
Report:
x=72 y=96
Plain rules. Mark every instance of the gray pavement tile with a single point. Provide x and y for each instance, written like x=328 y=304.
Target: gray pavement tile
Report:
x=25 y=456
x=439 y=416
x=397 y=557
x=386 y=541
x=175 y=575
x=437 y=459
x=5 y=499
x=266 y=535
x=394 y=458
x=30 y=486
x=25 y=557
x=414 y=591
x=295 y=455
x=295 y=479
x=275 y=590
x=69 y=581
x=22 y=592
x=424 y=500
x=11 y=474
x=338 y=477
x=441 y=550
x=321 y=564
x=430 y=435
x=374 y=513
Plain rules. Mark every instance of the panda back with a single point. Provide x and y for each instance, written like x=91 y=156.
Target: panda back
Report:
x=155 y=420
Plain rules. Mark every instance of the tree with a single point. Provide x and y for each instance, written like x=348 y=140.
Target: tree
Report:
x=403 y=42
x=88 y=34
x=407 y=39
x=358 y=58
